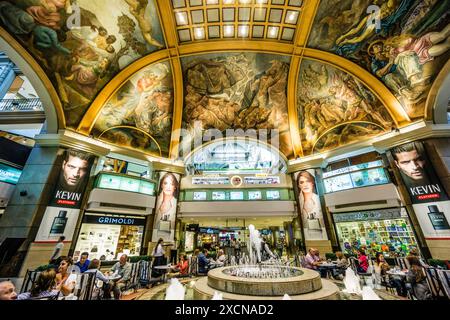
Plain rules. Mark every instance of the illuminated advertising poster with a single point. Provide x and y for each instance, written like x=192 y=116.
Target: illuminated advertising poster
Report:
x=166 y=207
x=418 y=174
x=72 y=179
x=57 y=222
x=61 y=215
x=310 y=207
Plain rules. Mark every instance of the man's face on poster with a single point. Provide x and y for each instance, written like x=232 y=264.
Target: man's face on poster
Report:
x=74 y=170
x=412 y=164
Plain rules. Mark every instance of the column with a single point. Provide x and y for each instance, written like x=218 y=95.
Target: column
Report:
x=26 y=207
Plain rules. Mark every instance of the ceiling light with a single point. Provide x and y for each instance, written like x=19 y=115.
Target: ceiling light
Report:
x=181 y=18
x=261 y=1
x=292 y=16
x=228 y=31
x=272 y=32
x=243 y=31
x=228 y=1
x=212 y=1
x=244 y=1
x=199 y=33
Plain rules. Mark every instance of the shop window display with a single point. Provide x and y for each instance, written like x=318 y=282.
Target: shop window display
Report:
x=393 y=237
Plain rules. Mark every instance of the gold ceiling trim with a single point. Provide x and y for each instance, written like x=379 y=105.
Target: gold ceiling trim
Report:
x=386 y=97
x=87 y=123
x=294 y=126
x=429 y=113
x=371 y=82
x=306 y=19
x=39 y=72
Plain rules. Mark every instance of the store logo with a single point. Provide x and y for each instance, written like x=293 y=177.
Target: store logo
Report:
x=121 y=221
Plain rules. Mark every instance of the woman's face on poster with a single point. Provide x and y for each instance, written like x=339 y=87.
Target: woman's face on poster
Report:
x=305 y=185
x=168 y=186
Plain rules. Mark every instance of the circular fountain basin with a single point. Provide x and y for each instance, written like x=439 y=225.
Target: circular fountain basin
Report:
x=302 y=284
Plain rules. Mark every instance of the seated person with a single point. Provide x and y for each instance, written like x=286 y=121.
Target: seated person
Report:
x=341 y=264
x=380 y=268
x=65 y=280
x=94 y=266
x=83 y=264
x=43 y=287
x=181 y=269
x=416 y=279
x=203 y=262
x=123 y=269
x=363 y=262
x=7 y=290
x=313 y=261
x=221 y=258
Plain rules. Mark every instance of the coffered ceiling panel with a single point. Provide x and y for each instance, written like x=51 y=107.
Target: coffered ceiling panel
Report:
x=239 y=19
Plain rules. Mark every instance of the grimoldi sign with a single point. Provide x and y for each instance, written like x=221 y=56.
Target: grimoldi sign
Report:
x=117 y=220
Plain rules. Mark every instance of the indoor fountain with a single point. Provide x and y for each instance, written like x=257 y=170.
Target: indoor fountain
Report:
x=253 y=278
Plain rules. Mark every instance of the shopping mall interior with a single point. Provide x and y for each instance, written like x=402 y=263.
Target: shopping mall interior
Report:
x=320 y=128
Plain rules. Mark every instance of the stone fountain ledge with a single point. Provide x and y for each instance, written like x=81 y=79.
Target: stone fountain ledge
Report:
x=308 y=281
x=329 y=291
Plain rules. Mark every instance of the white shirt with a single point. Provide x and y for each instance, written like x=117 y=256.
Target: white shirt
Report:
x=159 y=251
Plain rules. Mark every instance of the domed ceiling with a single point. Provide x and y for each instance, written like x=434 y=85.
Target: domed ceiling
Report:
x=156 y=75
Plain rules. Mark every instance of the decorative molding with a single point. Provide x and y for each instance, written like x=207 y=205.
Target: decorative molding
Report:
x=439 y=96
x=38 y=78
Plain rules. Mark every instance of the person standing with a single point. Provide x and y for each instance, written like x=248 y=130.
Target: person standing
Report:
x=57 y=251
x=158 y=255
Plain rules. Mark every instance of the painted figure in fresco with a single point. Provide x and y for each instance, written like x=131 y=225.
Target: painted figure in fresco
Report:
x=87 y=73
x=411 y=53
x=384 y=67
x=390 y=12
x=137 y=9
x=46 y=12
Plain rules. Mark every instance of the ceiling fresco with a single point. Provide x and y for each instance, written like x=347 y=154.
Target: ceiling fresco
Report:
x=82 y=52
x=128 y=72
x=335 y=109
x=406 y=52
x=246 y=91
x=139 y=114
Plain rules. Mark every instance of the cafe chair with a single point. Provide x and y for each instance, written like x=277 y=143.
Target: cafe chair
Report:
x=444 y=277
x=30 y=278
x=434 y=283
x=85 y=286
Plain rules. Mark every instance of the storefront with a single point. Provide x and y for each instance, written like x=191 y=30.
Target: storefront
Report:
x=107 y=237
x=383 y=230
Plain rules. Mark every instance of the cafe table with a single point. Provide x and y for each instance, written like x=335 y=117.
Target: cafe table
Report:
x=166 y=268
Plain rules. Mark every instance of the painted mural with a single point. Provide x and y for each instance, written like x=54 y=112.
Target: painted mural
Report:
x=139 y=114
x=244 y=91
x=405 y=51
x=83 y=44
x=336 y=109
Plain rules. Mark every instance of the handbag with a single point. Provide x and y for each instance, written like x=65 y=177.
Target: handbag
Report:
x=164 y=225
x=314 y=224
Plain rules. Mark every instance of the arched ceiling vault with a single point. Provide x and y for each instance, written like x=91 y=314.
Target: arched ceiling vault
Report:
x=302 y=53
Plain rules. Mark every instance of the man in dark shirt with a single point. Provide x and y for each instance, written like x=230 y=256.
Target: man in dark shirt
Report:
x=84 y=262
x=203 y=262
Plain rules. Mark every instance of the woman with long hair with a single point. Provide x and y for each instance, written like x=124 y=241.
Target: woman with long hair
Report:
x=159 y=258
x=311 y=211
x=417 y=279
x=43 y=288
x=166 y=206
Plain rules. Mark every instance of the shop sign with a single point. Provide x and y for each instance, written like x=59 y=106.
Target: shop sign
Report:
x=384 y=214
x=123 y=221
x=9 y=174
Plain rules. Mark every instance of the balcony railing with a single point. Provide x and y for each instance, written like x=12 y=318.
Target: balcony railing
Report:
x=21 y=105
